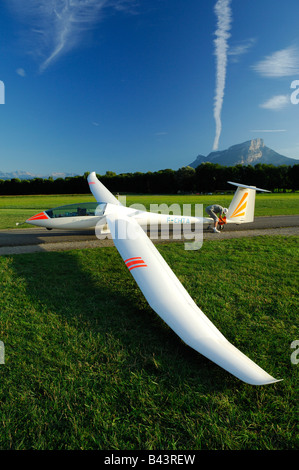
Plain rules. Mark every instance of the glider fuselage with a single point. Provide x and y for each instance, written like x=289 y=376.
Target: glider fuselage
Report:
x=89 y=215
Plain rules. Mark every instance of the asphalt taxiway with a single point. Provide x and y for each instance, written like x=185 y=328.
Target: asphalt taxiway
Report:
x=35 y=239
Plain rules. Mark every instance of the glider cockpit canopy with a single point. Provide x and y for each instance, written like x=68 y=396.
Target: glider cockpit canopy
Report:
x=77 y=210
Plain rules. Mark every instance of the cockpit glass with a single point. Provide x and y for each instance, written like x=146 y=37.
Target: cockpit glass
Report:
x=77 y=210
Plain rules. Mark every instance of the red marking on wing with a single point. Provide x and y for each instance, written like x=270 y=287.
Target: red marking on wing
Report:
x=136 y=262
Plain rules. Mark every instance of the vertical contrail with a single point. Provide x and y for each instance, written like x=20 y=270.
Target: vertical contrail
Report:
x=223 y=13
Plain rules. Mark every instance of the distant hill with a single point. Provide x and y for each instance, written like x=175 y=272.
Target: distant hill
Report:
x=25 y=175
x=251 y=152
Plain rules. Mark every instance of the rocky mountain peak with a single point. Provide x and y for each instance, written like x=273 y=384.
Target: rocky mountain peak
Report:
x=250 y=152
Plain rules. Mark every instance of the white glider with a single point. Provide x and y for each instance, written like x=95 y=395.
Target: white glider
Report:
x=163 y=290
x=87 y=215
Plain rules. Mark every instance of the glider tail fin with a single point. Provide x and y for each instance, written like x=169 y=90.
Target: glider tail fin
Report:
x=241 y=209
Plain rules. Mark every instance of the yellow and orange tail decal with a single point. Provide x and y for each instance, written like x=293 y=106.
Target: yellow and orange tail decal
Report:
x=240 y=207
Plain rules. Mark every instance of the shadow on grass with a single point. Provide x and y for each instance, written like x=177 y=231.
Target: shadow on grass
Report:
x=92 y=293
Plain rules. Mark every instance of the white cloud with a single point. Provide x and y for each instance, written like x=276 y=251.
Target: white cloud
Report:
x=21 y=72
x=282 y=63
x=276 y=102
x=240 y=49
x=268 y=130
x=128 y=6
x=59 y=25
x=223 y=13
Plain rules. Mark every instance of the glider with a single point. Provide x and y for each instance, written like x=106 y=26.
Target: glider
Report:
x=88 y=215
x=163 y=290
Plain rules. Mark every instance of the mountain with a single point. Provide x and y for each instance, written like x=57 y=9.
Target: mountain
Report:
x=251 y=152
x=25 y=175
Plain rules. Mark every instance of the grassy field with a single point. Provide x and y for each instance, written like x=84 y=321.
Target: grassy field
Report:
x=15 y=209
x=89 y=365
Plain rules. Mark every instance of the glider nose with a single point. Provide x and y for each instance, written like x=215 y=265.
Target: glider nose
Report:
x=35 y=219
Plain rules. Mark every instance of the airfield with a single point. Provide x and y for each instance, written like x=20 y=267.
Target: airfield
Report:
x=32 y=240
x=88 y=365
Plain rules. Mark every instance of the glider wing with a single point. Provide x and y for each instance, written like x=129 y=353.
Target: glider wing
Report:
x=100 y=192
x=170 y=300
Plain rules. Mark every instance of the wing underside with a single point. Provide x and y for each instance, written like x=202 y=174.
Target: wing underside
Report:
x=170 y=300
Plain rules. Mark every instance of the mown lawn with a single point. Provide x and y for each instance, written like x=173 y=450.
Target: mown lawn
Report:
x=16 y=209
x=89 y=365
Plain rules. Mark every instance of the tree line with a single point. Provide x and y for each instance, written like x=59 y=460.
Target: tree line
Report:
x=207 y=177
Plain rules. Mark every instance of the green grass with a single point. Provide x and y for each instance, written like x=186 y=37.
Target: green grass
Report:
x=266 y=204
x=15 y=209
x=89 y=365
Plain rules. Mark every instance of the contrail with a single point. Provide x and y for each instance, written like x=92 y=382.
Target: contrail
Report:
x=223 y=13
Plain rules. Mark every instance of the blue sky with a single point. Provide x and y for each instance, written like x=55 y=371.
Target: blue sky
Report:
x=141 y=85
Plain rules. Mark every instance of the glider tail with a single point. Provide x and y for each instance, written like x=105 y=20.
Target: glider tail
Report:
x=241 y=209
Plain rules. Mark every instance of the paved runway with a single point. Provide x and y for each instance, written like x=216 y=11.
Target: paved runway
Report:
x=29 y=240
